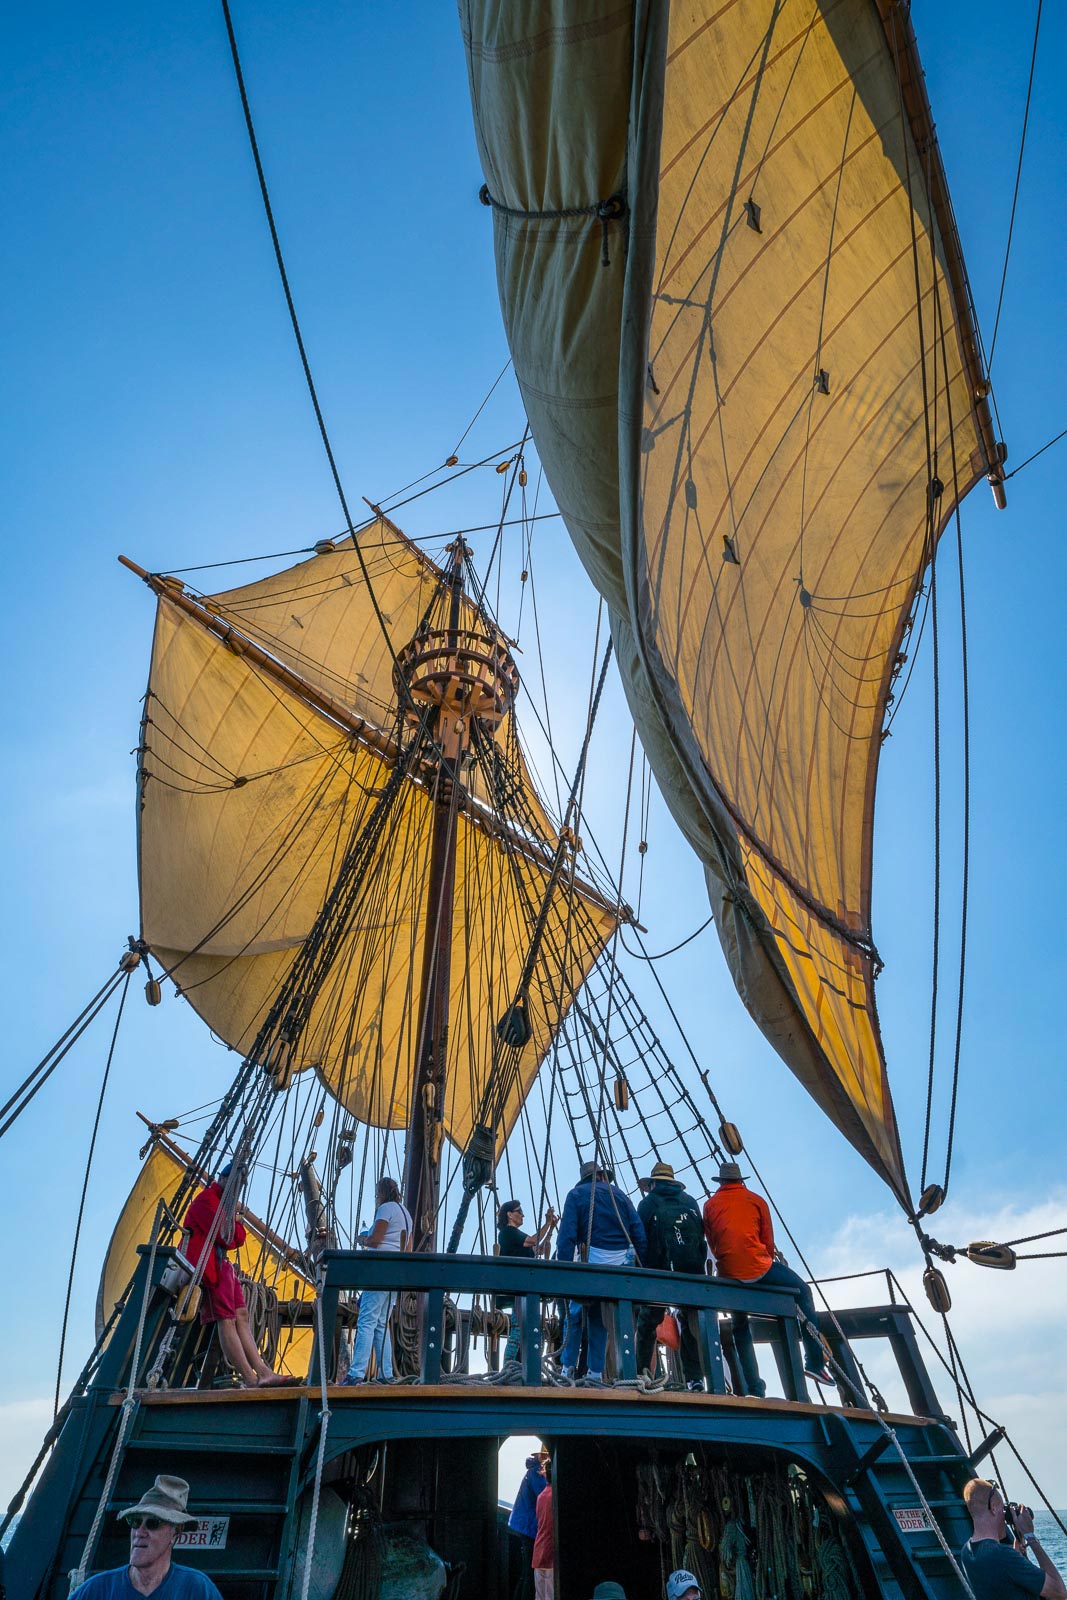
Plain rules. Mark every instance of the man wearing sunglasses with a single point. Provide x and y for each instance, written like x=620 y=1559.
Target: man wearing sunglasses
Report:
x=999 y=1571
x=154 y=1522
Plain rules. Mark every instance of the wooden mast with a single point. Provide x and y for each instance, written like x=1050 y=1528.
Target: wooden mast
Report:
x=422 y=1175
x=464 y=672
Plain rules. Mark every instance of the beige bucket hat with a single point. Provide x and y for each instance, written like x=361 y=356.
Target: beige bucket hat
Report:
x=168 y=1499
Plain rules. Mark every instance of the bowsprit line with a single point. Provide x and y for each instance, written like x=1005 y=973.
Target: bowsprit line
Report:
x=1015 y=194
x=1061 y=435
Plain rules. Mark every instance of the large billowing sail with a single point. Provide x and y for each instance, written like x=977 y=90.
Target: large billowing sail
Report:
x=252 y=791
x=740 y=322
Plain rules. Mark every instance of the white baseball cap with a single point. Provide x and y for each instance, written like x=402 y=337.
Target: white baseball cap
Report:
x=679 y=1583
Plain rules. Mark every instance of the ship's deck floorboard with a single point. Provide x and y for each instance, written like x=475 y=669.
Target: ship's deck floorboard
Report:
x=397 y=1394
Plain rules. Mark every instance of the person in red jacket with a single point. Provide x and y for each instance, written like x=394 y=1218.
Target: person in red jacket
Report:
x=544 y=1550
x=737 y=1226
x=222 y=1299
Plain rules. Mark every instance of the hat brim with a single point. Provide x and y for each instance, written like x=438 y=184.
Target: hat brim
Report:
x=178 y=1519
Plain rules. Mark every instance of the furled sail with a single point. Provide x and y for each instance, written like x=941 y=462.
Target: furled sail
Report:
x=260 y=766
x=263 y=1257
x=741 y=326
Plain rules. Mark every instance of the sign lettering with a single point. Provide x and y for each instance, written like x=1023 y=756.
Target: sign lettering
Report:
x=210 y=1533
x=911 y=1519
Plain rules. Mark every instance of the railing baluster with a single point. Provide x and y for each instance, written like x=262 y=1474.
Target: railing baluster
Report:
x=433 y=1334
x=791 y=1368
x=709 y=1343
x=530 y=1333
x=330 y=1299
x=622 y=1325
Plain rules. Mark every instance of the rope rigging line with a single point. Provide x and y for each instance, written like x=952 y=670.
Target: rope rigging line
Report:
x=129 y=1406
x=516 y=476
x=85 y=1190
x=1015 y=192
x=417 y=539
x=965 y=864
x=1061 y=435
x=967 y=1393
x=596 y=1033
x=936 y=950
x=253 y=142
x=482 y=407
x=1032 y=1238
x=280 y=853
x=461 y=472
x=35 y=1080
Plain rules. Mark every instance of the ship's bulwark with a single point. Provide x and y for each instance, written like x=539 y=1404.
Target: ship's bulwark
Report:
x=747 y=393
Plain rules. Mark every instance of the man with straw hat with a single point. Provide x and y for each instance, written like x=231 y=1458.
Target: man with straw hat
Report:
x=155 y=1522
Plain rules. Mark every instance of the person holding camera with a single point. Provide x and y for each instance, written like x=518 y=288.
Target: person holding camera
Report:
x=998 y=1571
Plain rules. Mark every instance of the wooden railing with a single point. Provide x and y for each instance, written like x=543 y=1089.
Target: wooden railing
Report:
x=621 y=1292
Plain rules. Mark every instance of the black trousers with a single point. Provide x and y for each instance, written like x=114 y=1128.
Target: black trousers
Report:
x=648 y=1320
x=525 y=1587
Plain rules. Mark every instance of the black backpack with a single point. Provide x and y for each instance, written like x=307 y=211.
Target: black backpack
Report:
x=680 y=1235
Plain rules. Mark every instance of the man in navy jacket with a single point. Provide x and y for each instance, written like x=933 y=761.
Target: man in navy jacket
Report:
x=599 y=1224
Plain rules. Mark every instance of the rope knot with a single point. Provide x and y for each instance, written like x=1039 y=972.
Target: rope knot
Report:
x=613 y=209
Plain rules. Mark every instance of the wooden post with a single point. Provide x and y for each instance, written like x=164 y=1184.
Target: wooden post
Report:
x=422 y=1176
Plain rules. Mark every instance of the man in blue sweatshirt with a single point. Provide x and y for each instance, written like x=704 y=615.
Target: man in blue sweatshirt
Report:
x=599 y=1225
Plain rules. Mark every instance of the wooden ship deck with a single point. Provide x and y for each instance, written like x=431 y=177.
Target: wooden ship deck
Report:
x=422 y=1453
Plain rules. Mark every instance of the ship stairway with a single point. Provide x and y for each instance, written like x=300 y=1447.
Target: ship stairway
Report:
x=908 y=1558
x=245 y=1463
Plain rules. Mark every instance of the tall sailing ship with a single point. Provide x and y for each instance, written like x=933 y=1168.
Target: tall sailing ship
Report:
x=743 y=335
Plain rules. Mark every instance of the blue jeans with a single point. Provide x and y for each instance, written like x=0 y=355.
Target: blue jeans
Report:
x=513 y=1348
x=591 y=1311
x=777 y=1276
x=372 y=1332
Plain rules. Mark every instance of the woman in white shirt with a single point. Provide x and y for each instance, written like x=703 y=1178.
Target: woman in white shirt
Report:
x=390 y=1230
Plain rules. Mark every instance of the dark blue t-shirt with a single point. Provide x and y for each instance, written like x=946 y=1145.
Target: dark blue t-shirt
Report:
x=998 y=1572
x=181 y=1583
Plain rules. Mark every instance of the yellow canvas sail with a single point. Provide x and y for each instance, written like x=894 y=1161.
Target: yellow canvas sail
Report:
x=262 y=1258
x=252 y=791
x=740 y=321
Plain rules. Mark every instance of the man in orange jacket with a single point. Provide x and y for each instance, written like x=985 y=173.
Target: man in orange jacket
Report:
x=737 y=1226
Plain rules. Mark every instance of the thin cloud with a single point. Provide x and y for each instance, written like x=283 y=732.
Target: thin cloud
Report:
x=1008 y=1325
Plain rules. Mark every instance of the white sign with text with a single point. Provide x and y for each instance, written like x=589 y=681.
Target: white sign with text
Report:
x=210 y=1533
x=911 y=1519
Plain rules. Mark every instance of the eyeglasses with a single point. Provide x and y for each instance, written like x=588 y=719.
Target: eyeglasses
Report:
x=152 y=1524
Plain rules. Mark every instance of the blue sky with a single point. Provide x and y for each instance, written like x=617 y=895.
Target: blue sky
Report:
x=154 y=406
